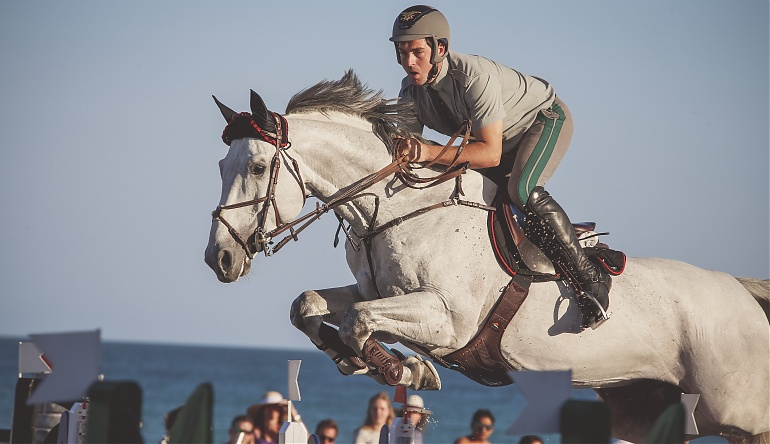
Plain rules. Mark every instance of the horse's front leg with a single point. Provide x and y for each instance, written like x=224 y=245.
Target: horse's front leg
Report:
x=420 y=317
x=310 y=312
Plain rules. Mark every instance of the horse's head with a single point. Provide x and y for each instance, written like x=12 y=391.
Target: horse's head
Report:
x=261 y=190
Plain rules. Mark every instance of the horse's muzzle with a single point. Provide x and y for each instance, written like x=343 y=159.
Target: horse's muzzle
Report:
x=228 y=264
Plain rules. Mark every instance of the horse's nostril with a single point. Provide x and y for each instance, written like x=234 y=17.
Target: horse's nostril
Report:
x=225 y=260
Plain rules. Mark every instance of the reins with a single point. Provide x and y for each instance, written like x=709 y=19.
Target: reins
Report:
x=452 y=170
x=400 y=166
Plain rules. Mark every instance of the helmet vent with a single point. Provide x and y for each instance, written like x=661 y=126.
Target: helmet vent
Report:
x=410 y=16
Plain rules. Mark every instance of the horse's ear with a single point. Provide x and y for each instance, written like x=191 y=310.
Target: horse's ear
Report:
x=258 y=107
x=260 y=113
x=227 y=113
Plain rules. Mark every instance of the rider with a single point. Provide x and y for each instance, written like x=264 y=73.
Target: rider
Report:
x=520 y=128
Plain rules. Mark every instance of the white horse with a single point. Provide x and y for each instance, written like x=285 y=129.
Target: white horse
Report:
x=431 y=280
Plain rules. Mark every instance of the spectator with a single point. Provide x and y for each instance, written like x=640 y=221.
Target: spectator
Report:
x=530 y=439
x=378 y=413
x=415 y=411
x=482 y=426
x=269 y=415
x=241 y=430
x=168 y=421
x=327 y=431
x=417 y=415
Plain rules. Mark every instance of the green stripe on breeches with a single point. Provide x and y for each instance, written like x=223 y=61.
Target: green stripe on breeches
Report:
x=541 y=154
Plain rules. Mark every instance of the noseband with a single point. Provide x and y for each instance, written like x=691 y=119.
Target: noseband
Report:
x=260 y=240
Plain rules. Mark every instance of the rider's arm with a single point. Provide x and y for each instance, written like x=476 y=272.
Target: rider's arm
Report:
x=484 y=152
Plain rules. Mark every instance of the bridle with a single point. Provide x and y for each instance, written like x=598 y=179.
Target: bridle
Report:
x=261 y=240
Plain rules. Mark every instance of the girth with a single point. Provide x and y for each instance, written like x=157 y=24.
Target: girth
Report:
x=481 y=359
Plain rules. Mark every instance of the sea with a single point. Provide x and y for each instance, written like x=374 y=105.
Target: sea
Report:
x=168 y=374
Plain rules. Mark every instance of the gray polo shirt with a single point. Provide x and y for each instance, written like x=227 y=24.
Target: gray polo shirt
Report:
x=478 y=89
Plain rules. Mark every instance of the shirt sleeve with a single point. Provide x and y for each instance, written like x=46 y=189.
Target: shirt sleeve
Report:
x=484 y=98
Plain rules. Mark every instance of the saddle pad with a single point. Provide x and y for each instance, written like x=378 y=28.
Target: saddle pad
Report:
x=502 y=241
x=613 y=261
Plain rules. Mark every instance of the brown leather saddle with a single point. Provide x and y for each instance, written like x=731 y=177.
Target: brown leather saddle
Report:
x=517 y=254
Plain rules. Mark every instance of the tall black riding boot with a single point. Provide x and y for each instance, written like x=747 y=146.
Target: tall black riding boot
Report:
x=550 y=228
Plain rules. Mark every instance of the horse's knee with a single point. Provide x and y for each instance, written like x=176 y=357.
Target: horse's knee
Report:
x=306 y=306
x=355 y=327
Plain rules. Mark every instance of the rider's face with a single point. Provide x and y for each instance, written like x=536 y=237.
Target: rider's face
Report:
x=415 y=59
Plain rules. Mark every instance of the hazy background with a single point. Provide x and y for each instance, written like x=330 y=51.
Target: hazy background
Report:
x=109 y=143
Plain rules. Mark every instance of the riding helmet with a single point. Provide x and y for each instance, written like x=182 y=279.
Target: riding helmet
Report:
x=421 y=21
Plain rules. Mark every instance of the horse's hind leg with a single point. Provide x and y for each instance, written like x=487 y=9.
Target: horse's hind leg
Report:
x=312 y=309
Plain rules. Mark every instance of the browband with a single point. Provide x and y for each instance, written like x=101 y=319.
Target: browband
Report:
x=243 y=125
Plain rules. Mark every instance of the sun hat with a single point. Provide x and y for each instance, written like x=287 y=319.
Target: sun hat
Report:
x=268 y=399
x=414 y=403
x=272 y=398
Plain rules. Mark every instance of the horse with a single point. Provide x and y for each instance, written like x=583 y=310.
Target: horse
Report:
x=427 y=278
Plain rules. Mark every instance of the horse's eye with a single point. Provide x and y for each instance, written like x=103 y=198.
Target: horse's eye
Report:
x=258 y=169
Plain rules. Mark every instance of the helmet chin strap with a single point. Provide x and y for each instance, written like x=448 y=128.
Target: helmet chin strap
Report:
x=433 y=73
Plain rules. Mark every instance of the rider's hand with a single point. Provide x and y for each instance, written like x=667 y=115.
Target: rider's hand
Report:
x=411 y=148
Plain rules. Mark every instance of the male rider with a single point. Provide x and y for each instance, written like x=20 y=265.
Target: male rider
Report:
x=521 y=131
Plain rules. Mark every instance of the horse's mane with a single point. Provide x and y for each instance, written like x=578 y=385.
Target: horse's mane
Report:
x=348 y=95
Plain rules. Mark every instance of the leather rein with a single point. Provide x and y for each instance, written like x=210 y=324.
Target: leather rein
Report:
x=261 y=240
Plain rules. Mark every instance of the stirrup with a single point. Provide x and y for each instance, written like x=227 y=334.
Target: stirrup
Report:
x=605 y=315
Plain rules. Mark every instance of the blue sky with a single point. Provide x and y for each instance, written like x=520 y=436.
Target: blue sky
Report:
x=109 y=143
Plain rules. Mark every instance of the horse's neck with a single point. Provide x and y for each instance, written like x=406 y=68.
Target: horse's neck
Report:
x=340 y=150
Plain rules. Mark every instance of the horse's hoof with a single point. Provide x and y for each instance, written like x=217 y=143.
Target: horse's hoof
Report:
x=386 y=363
x=424 y=374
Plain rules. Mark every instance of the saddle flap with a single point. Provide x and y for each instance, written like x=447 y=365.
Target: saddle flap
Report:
x=515 y=252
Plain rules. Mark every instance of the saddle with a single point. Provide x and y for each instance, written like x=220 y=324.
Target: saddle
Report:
x=481 y=360
x=517 y=254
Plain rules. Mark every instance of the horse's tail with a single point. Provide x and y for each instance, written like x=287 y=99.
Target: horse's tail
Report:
x=760 y=289
x=762 y=438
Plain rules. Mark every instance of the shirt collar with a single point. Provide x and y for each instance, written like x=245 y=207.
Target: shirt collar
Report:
x=438 y=84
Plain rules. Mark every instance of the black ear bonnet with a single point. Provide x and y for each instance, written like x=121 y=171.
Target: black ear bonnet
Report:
x=259 y=124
